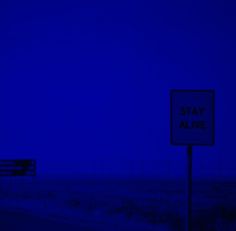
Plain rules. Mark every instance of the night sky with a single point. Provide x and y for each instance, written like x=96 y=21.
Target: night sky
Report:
x=84 y=85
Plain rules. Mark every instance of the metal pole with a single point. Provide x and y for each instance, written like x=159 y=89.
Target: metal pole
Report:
x=189 y=189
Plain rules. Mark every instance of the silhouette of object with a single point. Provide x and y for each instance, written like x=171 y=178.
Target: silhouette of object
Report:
x=17 y=167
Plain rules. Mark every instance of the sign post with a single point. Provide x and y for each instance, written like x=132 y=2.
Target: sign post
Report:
x=192 y=123
x=189 y=189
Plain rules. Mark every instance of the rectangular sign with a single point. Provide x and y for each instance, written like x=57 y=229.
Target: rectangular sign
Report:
x=20 y=167
x=192 y=117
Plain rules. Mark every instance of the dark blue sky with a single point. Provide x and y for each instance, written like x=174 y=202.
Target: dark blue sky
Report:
x=84 y=85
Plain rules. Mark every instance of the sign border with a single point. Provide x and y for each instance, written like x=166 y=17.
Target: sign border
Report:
x=212 y=91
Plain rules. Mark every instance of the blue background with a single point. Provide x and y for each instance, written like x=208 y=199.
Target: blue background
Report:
x=84 y=85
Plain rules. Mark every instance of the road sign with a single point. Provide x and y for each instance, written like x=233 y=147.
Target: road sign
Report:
x=20 y=167
x=192 y=117
x=192 y=123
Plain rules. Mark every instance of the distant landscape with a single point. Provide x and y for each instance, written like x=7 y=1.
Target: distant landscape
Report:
x=120 y=204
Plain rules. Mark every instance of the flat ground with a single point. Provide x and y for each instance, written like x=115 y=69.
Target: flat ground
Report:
x=16 y=221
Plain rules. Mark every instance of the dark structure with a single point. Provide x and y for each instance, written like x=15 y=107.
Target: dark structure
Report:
x=19 y=167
